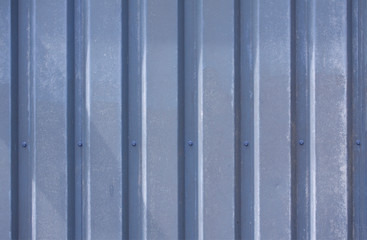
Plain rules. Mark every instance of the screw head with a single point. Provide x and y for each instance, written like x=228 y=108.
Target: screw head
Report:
x=190 y=143
x=24 y=144
x=301 y=142
x=80 y=144
x=358 y=142
x=133 y=143
x=246 y=143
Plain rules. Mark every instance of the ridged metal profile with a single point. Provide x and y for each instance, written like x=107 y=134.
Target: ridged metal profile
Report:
x=183 y=119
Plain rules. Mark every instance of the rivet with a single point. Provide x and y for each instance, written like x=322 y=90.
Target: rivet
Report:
x=301 y=142
x=246 y=143
x=133 y=143
x=358 y=142
x=24 y=144
x=80 y=144
x=190 y=143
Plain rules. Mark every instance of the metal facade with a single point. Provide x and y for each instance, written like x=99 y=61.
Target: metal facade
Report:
x=183 y=119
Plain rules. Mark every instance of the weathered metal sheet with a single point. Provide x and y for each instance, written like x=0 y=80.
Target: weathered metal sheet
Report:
x=6 y=145
x=183 y=119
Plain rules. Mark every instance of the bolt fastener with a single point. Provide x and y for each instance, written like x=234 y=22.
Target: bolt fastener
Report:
x=190 y=143
x=133 y=143
x=358 y=142
x=24 y=144
x=80 y=144
x=246 y=143
x=301 y=142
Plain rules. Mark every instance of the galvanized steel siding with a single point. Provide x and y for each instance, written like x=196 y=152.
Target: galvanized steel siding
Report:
x=183 y=119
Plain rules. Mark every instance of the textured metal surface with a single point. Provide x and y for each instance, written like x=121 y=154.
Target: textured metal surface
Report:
x=183 y=119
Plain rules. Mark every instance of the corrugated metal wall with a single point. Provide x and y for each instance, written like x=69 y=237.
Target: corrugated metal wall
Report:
x=190 y=119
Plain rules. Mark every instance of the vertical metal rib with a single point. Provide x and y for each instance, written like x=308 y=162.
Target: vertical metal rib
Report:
x=301 y=119
x=79 y=75
x=32 y=106
x=256 y=120
x=358 y=98
x=25 y=179
x=86 y=234
x=143 y=56
x=137 y=107
x=193 y=145
x=200 y=118
x=248 y=56
x=312 y=52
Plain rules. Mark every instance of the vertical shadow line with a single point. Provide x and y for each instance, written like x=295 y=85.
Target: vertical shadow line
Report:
x=71 y=120
x=237 y=115
x=14 y=120
x=181 y=119
x=125 y=118
x=294 y=125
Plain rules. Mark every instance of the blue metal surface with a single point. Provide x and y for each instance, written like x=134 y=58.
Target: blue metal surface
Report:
x=183 y=119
